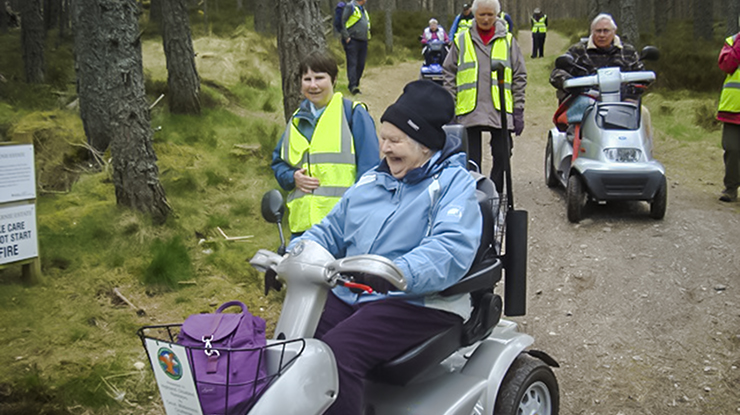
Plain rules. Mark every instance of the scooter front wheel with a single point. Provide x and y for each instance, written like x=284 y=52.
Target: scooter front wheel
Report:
x=660 y=201
x=576 y=197
x=529 y=387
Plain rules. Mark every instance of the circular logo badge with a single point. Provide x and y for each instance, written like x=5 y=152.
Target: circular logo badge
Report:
x=298 y=249
x=169 y=363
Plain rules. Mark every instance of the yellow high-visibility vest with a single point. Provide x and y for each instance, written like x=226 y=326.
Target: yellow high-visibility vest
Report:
x=356 y=17
x=539 y=26
x=464 y=24
x=729 y=100
x=329 y=157
x=502 y=16
x=467 y=73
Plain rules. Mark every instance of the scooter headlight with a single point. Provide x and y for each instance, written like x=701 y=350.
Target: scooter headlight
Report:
x=622 y=155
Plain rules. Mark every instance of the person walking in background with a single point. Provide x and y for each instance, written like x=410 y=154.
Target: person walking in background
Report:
x=539 y=32
x=355 y=35
x=470 y=80
x=463 y=21
x=729 y=114
x=507 y=19
x=328 y=144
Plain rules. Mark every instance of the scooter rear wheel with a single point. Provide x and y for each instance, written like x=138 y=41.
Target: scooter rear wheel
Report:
x=576 y=197
x=529 y=387
x=551 y=179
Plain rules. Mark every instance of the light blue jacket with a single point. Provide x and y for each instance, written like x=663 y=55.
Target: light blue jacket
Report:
x=428 y=223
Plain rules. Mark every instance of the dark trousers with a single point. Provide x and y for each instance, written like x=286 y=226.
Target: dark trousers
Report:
x=356 y=52
x=498 y=152
x=731 y=145
x=365 y=335
x=538 y=44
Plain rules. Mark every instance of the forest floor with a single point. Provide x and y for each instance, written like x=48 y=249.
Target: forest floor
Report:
x=642 y=315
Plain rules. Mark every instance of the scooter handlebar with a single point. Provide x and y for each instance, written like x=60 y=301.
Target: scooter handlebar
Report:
x=581 y=82
x=594 y=80
x=639 y=76
x=264 y=259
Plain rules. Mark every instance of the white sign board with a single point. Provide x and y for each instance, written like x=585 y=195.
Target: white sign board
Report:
x=17 y=173
x=174 y=377
x=18 y=238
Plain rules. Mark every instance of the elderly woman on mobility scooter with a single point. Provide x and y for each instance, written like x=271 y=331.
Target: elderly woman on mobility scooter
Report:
x=417 y=208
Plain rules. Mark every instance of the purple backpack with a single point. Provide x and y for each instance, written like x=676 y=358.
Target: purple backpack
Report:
x=225 y=353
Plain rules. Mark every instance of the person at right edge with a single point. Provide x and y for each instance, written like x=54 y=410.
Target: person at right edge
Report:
x=355 y=35
x=729 y=114
x=474 y=86
x=539 y=33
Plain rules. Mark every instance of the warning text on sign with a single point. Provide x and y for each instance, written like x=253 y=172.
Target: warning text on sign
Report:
x=18 y=238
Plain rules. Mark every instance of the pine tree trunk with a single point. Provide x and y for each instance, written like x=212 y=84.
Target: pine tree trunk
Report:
x=51 y=13
x=33 y=37
x=183 y=83
x=90 y=61
x=388 y=7
x=661 y=16
x=206 y=29
x=628 y=24
x=4 y=19
x=703 y=19
x=300 y=32
x=63 y=20
x=265 y=20
x=110 y=27
x=732 y=9
x=155 y=11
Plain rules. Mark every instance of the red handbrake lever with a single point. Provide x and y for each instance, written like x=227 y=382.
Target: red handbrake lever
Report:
x=355 y=287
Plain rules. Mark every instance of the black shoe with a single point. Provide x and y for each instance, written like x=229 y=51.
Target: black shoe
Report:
x=728 y=195
x=356 y=91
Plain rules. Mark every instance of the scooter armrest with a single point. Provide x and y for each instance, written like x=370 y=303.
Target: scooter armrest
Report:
x=483 y=275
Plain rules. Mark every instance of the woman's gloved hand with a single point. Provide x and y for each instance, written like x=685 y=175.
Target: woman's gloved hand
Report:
x=518 y=121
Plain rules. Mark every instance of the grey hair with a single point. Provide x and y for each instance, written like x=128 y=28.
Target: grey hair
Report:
x=604 y=16
x=433 y=20
x=493 y=3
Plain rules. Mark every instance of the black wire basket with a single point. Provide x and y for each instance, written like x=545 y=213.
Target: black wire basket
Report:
x=229 y=397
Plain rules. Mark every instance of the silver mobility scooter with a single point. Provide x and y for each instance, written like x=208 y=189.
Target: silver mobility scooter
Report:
x=482 y=366
x=609 y=156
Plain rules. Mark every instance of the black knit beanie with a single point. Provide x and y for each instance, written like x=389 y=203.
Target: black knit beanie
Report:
x=421 y=111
